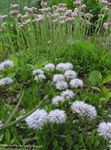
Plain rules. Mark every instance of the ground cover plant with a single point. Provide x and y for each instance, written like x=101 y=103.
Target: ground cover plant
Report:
x=55 y=77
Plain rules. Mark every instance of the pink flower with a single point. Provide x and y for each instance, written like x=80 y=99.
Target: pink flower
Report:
x=74 y=14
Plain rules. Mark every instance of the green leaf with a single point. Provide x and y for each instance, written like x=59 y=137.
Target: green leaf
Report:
x=95 y=78
x=7 y=136
x=107 y=79
x=1 y=137
x=15 y=59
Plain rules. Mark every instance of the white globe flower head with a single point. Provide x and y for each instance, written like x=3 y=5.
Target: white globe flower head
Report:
x=64 y=66
x=57 y=116
x=6 y=81
x=37 y=119
x=49 y=67
x=37 y=72
x=104 y=130
x=68 y=94
x=58 y=99
x=69 y=66
x=61 y=85
x=74 y=83
x=41 y=77
x=84 y=110
x=58 y=77
x=61 y=67
x=70 y=74
x=6 y=64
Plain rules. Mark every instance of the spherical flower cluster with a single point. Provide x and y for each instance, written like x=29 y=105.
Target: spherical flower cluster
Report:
x=58 y=99
x=49 y=67
x=58 y=78
x=76 y=83
x=41 y=77
x=68 y=94
x=60 y=67
x=37 y=119
x=61 y=85
x=6 y=81
x=70 y=74
x=84 y=110
x=64 y=66
x=104 y=130
x=6 y=64
x=39 y=74
x=57 y=116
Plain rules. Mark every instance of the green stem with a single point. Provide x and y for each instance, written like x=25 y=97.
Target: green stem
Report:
x=15 y=109
x=18 y=120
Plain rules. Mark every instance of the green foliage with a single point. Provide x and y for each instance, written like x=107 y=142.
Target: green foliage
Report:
x=95 y=78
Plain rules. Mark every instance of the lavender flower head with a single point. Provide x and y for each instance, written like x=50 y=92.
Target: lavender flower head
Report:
x=41 y=77
x=57 y=99
x=64 y=66
x=6 y=81
x=61 y=85
x=68 y=94
x=84 y=110
x=70 y=74
x=49 y=67
x=37 y=72
x=57 y=116
x=37 y=119
x=76 y=83
x=104 y=130
x=58 y=78
x=6 y=64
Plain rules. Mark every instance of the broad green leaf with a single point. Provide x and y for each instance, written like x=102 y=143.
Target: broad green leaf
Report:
x=95 y=78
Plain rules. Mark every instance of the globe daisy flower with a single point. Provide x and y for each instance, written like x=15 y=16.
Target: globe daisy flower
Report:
x=104 y=130
x=84 y=110
x=57 y=116
x=6 y=64
x=49 y=67
x=58 y=78
x=58 y=99
x=68 y=94
x=37 y=119
x=6 y=81
x=70 y=74
x=37 y=72
x=41 y=77
x=64 y=66
x=74 y=83
x=61 y=85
